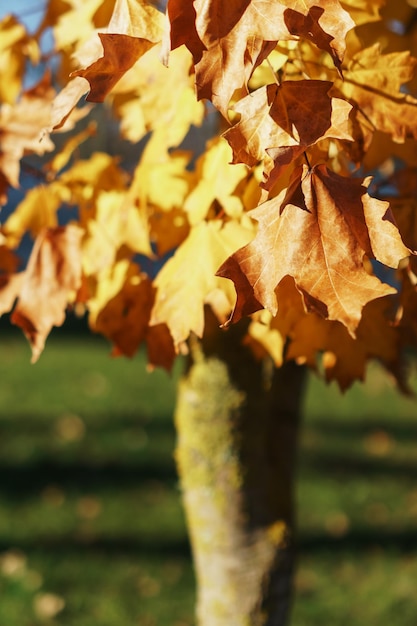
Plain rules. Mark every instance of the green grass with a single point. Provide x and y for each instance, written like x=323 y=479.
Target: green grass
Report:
x=91 y=528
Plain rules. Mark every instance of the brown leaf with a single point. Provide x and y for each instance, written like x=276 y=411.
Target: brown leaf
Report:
x=182 y=30
x=120 y=53
x=124 y=318
x=52 y=276
x=10 y=286
x=160 y=347
x=325 y=24
x=283 y=120
x=318 y=231
x=344 y=358
x=230 y=39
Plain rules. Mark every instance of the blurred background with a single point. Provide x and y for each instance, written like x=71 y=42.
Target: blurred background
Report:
x=91 y=527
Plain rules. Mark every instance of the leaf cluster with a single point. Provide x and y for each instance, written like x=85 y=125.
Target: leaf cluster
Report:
x=296 y=208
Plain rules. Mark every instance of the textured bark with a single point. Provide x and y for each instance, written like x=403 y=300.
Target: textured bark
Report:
x=237 y=422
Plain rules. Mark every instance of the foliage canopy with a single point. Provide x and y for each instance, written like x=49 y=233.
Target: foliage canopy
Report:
x=302 y=199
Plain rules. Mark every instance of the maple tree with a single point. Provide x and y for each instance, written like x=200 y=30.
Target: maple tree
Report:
x=293 y=228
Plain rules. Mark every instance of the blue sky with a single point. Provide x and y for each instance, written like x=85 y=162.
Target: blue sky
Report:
x=28 y=11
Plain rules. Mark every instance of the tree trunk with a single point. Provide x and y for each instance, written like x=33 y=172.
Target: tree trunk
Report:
x=237 y=421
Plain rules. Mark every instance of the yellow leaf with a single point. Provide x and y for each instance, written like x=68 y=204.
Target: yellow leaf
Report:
x=62 y=157
x=142 y=109
x=217 y=181
x=15 y=48
x=373 y=81
x=161 y=177
x=35 y=212
x=184 y=286
x=115 y=223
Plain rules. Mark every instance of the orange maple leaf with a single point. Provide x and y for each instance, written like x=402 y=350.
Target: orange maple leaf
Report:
x=283 y=120
x=52 y=276
x=318 y=231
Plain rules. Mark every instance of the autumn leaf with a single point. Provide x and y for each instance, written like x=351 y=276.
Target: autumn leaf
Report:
x=10 y=279
x=344 y=358
x=64 y=155
x=73 y=23
x=373 y=81
x=323 y=22
x=135 y=27
x=281 y=121
x=363 y=11
x=183 y=287
x=50 y=281
x=161 y=178
x=116 y=222
x=217 y=182
x=142 y=109
x=120 y=52
x=16 y=45
x=37 y=211
x=82 y=183
x=124 y=318
x=405 y=212
x=137 y=18
x=251 y=30
x=21 y=126
x=318 y=231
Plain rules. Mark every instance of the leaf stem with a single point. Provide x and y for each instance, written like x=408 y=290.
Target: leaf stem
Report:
x=272 y=70
x=307 y=160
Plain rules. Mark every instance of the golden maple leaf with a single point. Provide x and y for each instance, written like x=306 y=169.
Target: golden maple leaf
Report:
x=179 y=301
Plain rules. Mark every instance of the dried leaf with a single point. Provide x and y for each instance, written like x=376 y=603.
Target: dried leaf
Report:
x=283 y=120
x=373 y=82
x=124 y=318
x=120 y=52
x=21 y=127
x=318 y=231
x=229 y=40
x=50 y=281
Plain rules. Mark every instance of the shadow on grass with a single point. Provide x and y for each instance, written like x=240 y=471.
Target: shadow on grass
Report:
x=402 y=430
x=359 y=540
x=17 y=482
x=337 y=465
x=117 y=546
